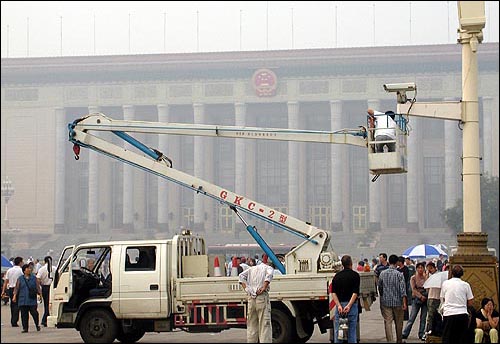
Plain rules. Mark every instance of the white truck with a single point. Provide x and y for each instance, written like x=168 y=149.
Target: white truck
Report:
x=122 y=289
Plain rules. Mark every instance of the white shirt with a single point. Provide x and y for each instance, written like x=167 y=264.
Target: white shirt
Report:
x=455 y=293
x=384 y=125
x=43 y=275
x=12 y=275
x=255 y=276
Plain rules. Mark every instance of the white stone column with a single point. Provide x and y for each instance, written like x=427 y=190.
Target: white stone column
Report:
x=208 y=165
x=451 y=170
x=240 y=159
x=374 y=187
x=250 y=161
x=293 y=161
x=199 y=161
x=487 y=135
x=239 y=150
x=128 y=179
x=60 y=175
x=93 y=192
x=412 y=185
x=336 y=167
x=495 y=140
x=163 y=184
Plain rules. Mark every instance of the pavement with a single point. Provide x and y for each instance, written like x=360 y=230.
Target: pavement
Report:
x=371 y=330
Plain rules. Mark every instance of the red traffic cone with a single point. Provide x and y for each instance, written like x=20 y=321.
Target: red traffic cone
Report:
x=234 y=268
x=217 y=271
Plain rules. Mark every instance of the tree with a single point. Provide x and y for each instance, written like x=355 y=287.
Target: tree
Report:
x=489 y=211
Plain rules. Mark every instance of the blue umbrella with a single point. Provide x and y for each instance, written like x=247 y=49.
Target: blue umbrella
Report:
x=423 y=251
x=5 y=263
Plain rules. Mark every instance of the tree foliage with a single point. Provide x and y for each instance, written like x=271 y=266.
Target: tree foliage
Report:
x=489 y=211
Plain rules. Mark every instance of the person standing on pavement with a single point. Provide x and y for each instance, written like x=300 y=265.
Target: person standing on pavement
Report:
x=401 y=267
x=419 y=303
x=456 y=296
x=255 y=281
x=45 y=280
x=27 y=302
x=11 y=277
x=345 y=288
x=393 y=302
x=433 y=300
x=381 y=266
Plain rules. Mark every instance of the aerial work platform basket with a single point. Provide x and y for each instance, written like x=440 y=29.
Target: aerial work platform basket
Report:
x=387 y=154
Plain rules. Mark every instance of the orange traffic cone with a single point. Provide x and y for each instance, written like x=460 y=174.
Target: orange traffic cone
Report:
x=217 y=271
x=234 y=268
x=264 y=258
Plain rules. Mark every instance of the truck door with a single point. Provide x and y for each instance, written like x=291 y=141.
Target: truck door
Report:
x=62 y=286
x=140 y=280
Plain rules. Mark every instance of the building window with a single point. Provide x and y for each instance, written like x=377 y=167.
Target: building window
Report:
x=359 y=216
x=433 y=192
x=271 y=228
x=225 y=218
x=320 y=216
x=187 y=216
x=396 y=200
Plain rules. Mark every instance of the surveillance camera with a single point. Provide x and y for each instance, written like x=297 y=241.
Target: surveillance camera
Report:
x=400 y=87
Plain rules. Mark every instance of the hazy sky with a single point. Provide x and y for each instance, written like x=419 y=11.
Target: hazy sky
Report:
x=264 y=25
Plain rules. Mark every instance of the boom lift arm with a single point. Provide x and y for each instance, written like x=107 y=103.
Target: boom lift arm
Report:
x=305 y=258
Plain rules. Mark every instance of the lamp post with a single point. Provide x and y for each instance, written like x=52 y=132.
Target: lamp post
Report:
x=479 y=265
x=7 y=192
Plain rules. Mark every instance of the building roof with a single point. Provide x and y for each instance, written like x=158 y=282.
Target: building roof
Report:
x=238 y=64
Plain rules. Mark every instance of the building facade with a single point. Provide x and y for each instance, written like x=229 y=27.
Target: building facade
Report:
x=317 y=89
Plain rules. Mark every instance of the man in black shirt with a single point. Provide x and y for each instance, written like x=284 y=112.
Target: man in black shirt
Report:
x=345 y=288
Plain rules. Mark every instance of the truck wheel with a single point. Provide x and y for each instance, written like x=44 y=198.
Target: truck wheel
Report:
x=98 y=326
x=130 y=337
x=308 y=327
x=283 y=331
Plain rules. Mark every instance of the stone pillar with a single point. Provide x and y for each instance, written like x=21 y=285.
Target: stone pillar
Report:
x=293 y=162
x=479 y=265
x=199 y=161
x=487 y=135
x=336 y=172
x=451 y=170
x=174 y=190
x=60 y=175
x=240 y=167
x=495 y=140
x=128 y=180
x=250 y=161
x=93 y=195
x=163 y=184
x=209 y=172
x=239 y=151
x=412 y=185
x=374 y=187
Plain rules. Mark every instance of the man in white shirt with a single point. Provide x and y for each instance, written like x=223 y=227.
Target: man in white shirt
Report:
x=456 y=295
x=45 y=280
x=11 y=277
x=255 y=281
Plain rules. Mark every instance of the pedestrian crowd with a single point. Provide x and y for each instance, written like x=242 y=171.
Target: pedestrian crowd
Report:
x=445 y=304
x=24 y=285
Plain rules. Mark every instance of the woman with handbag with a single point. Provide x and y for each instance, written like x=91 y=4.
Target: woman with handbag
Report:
x=25 y=294
x=419 y=301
